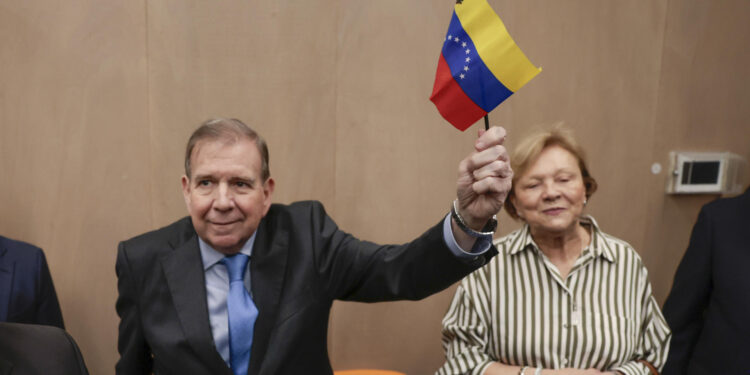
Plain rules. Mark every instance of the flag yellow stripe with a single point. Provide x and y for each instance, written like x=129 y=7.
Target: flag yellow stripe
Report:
x=494 y=45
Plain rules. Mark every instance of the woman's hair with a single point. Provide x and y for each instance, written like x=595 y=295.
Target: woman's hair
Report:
x=528 y=151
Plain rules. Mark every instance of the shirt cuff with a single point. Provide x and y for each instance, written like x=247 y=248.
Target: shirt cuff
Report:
x=481 y=245
x=632 y=368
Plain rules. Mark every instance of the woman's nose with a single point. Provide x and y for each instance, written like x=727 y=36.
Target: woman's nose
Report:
x=550 y=192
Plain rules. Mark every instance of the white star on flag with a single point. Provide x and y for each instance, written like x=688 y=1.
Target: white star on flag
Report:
x=455 y=39
x=467 y=51
x=463 y=44
x=461 y=75
x=466 y=68
x=468 y=59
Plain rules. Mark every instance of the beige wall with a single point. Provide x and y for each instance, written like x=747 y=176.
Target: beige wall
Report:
x=97 y=99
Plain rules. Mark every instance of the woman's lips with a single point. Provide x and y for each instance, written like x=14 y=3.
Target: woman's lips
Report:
x=553 y=211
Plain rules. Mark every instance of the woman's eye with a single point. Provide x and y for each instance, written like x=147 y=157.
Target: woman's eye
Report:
x=204 y=183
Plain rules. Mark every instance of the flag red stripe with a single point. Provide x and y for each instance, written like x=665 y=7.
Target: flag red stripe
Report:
x=451 y=101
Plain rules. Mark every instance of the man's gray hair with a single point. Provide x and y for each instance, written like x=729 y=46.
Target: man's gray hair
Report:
x=228 y=130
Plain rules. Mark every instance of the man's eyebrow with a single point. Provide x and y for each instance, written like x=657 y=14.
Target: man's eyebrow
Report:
x=202 y=176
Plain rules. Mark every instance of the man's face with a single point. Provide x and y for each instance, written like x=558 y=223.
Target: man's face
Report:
x=225 y=195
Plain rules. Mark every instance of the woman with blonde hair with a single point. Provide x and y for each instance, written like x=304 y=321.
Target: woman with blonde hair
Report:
x=561 y=297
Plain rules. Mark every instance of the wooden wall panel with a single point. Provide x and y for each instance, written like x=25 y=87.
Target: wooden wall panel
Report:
x=396 y=162
x=270 y=64
x=73 y=131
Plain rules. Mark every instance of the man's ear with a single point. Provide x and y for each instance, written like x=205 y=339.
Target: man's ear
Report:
x=186 y=190
x=268 y=187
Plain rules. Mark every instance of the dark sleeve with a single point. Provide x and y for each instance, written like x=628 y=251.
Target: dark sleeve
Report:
x=689 y=296
x=5 y=367
x=79 y=362
x=135 y=355
x=47 y=306
x=357 y=270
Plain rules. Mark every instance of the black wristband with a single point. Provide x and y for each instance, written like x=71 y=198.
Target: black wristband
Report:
x=487 y=230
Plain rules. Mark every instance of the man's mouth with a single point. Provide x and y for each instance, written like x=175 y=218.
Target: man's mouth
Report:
x=224 y=222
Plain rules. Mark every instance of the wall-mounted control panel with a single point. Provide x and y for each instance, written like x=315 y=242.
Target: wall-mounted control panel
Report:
x=706 y=173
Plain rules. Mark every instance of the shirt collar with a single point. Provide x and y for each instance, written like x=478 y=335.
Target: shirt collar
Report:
x=211 y=256
x=599 y=245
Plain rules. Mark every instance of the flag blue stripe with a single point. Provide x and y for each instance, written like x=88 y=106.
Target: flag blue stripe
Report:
x=478 y=82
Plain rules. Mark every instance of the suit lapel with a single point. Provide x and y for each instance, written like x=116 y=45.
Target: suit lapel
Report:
x=6 y=280
x=267 y=269
x=183 y=269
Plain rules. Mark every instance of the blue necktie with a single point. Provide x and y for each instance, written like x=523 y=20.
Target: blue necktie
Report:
x=242 y=314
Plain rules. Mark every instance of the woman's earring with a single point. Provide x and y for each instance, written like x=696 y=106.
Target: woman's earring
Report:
x=585 y=201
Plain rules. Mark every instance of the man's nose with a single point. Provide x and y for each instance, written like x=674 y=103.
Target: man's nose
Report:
x=224 y=199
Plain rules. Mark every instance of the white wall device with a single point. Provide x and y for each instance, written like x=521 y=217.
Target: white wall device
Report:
x=706 y=173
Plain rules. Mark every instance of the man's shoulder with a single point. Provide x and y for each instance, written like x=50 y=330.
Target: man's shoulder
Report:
x=171 y=235
x=735 y=206
x=299 y=206
x=19 y=250
x=295 y=210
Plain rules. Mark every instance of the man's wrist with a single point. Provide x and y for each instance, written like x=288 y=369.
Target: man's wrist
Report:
x=487 y=230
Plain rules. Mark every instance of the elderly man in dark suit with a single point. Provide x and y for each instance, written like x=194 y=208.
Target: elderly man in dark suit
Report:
x=708 y=308
x=27 y=294
x=243 y=286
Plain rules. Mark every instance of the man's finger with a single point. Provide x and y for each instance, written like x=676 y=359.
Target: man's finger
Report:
x=480 y=159
x=496 y=168
x=491 y=185
x=494 y=136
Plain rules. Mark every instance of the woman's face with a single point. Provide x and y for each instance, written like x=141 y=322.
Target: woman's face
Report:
x=550 y=195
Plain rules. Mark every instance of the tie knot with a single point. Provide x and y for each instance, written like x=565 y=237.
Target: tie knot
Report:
x=235 y=266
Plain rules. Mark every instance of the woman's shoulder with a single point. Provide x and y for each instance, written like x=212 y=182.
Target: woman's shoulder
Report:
x=510 y=239
x=504 y=246
x=619 y=249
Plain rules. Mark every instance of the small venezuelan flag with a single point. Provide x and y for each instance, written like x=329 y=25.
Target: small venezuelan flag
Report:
x=479 y=67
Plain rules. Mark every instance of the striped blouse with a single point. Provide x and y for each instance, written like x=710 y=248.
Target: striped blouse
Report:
x=517 y=310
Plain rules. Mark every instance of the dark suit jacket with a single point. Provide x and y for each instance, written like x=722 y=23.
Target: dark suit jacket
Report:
x=301 y=262
x=29 y=349
x=27 y=294
x=708 y=308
